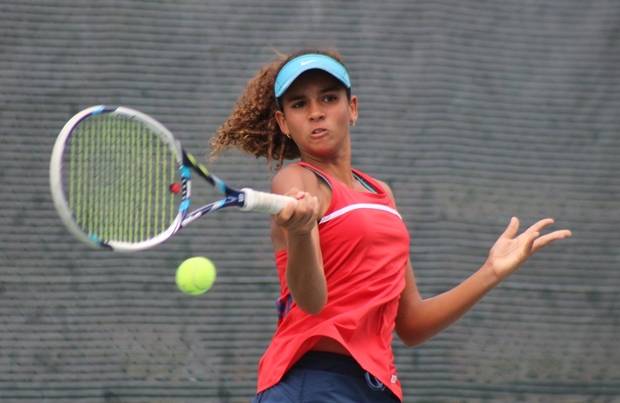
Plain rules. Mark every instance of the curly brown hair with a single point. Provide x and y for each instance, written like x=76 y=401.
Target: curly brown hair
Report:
x=251 y=126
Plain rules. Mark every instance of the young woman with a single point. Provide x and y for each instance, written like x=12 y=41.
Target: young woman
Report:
x=342 y=249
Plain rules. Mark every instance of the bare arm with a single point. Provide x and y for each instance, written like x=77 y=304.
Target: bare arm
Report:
x=419 y=319
x=295 y=228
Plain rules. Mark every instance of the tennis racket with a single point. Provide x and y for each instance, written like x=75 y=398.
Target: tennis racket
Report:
x=121 y=181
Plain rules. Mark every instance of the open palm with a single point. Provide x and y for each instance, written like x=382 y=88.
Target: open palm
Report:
x=510 y=250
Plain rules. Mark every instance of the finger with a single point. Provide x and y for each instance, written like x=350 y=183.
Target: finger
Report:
x=531 y=238
x=310 y=208
x=292 y=192
x=540 y=225
x=314 y=203
x=512 y=228
x=303 y=217
x=287 y=212
x=547 y=239
x=305 y=206
x=292 y=206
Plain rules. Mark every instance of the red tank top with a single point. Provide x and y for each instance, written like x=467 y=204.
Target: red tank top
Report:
x=365 y=247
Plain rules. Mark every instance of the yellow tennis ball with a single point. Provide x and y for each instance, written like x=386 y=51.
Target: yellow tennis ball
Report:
x=195 y=275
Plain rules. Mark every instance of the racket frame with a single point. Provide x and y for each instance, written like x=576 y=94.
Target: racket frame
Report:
x=247 y=199
x=58 y=187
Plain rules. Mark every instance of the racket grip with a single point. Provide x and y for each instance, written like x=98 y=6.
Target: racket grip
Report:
x=264 y=202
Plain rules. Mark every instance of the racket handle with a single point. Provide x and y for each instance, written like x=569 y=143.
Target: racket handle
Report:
x=264 y=202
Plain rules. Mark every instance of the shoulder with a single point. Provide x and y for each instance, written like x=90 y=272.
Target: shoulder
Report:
x=383 y=185
x=291 y=178
x=375 y=182
x=295 y=176
x=387 y=190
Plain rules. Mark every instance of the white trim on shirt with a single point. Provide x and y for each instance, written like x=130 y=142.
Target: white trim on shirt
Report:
x=358 y=206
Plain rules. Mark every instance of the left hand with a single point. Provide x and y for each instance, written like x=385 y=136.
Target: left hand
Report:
x=511 y=251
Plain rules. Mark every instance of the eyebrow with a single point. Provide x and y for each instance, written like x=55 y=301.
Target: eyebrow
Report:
x=298 y=97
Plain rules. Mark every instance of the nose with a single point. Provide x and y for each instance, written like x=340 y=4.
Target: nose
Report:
x=315 y=112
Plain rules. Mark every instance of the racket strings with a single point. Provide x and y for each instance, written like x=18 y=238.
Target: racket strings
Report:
x=117 y=173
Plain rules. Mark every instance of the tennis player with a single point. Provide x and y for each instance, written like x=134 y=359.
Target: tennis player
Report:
x=342 y=250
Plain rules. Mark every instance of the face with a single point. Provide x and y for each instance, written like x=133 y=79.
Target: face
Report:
x=316 y=113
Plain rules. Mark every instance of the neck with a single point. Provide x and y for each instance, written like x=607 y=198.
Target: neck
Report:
x=338 y=166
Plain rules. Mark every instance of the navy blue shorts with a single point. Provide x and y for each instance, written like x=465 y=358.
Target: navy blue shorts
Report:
x=321 y=377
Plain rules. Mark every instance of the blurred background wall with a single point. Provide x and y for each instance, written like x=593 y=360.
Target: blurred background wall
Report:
x=473 y=111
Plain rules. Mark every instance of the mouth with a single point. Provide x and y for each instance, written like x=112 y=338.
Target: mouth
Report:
x=318 y=132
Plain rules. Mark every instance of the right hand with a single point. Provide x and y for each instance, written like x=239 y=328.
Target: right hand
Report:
x=301 y=216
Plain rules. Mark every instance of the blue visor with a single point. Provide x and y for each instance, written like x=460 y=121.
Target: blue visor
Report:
x=298 y=65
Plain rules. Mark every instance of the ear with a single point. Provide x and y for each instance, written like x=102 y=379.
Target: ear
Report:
x=353 y=109
x=282 y=123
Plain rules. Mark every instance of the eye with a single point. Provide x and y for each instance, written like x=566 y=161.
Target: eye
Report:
x=330 y=98
x=298 y=104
